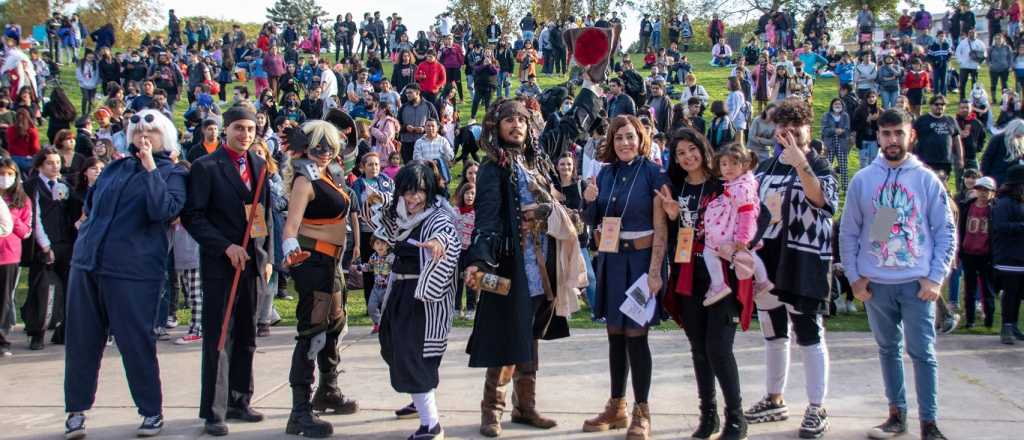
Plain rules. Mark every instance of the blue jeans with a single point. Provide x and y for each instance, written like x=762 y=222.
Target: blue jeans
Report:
x=591 y=279
x=888 y=97
x=503 y=85
x=867 y=153
x=954 y=285
x=894 y=310
x=939 y=79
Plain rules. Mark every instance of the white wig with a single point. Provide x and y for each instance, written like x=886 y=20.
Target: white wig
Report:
x=159 y=123
x=1014 y=147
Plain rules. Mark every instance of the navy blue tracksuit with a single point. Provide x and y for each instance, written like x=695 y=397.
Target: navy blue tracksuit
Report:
x=117 y=271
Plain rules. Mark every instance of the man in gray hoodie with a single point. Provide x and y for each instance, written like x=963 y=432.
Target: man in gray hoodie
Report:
x=897 y=241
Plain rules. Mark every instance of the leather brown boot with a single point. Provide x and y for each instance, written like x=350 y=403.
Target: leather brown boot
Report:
x=524 y=402
x=640 y=428
x=493 y=403
x=613 y=417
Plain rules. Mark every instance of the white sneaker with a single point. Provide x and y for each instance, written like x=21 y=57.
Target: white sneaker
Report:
x=171 y=323
x=851 y=307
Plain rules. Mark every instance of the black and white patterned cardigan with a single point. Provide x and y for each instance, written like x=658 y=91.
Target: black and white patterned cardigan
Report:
x=436 y=284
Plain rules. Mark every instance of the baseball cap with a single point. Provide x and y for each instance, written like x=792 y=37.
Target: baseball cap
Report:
x=986 y=182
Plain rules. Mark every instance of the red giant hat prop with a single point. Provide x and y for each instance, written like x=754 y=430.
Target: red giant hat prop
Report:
x=591 y=48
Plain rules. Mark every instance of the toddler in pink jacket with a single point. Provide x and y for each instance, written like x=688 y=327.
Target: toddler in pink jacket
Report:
x=730 y=221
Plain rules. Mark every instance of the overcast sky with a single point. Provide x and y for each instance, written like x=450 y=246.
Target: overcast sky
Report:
x=417 y=14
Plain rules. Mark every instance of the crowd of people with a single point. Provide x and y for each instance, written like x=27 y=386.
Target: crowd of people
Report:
x=337 y=177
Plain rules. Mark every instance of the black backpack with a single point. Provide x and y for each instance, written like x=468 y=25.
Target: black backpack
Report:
x=635 y=86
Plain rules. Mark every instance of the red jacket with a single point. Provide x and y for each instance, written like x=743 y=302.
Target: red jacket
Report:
x=716 y=25
x=10 y=246
x=917 y=80
x=430 y=76
x=905 y=22
x=22 y=146
x=263 y=43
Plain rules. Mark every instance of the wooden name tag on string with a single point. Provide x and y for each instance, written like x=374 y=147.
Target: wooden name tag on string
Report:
x=610 y=228
x=684 y=245
x=259 y=226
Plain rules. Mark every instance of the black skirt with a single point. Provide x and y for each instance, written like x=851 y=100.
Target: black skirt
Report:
x=402 y=328
x=915 y=96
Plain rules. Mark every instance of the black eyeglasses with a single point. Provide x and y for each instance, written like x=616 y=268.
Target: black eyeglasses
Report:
x=148 y=118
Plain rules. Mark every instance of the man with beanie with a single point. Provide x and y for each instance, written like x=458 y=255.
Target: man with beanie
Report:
x=897 y=241
x=221 y=190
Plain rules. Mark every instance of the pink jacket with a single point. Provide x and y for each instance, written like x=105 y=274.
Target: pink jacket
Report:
x=10 y=246
x=383 y=131
x=732 y=216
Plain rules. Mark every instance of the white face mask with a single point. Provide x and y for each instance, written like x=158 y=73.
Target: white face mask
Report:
x=6 y=182
x=566 y=107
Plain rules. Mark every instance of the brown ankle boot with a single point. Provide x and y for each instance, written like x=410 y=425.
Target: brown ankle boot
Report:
x=640 y=429
x=613 y=417
x=524 y=402
x=493 y=403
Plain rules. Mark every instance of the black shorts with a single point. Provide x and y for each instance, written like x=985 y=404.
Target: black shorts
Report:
x=915 y=96
x=775 y=324
x=452 y=74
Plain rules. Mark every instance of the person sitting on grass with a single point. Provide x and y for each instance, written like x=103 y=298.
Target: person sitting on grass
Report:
x=721 y=54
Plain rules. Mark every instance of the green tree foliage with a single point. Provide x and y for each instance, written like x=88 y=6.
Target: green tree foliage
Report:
x=296 y=11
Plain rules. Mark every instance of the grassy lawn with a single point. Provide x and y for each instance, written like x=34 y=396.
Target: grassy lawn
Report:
x=713 y=79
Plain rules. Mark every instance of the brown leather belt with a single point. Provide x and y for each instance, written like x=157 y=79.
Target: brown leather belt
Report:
x=636 y=244
x=320 y=246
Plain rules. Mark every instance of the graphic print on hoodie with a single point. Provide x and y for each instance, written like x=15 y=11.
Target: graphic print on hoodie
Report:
x=903 y=246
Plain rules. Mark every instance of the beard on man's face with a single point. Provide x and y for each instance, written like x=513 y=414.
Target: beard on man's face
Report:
x=894 y=152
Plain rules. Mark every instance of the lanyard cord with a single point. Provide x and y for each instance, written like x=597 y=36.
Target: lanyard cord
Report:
x=615 y=179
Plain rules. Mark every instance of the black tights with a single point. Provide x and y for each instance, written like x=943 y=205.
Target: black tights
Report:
x=625 y=353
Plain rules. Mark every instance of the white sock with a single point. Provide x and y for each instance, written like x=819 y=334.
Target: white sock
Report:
x=776 y=357
x=427 y=408
x=816 y=372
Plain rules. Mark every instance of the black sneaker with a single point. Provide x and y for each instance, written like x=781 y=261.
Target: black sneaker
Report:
x=930 y=431
x=435 y=433
x=895 y=425
x=35 y=343
x=74 y=426
x=1006 y=335
x=767 y=410
x=151 y=425
x=815 y=422
x=407 y=412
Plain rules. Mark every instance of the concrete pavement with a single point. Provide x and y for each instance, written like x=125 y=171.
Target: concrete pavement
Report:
x=981 y=389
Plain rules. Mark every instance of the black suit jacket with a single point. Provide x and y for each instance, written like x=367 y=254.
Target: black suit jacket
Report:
x=215 y=212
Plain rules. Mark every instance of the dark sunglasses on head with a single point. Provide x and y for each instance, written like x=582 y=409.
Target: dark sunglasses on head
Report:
x=148 y=118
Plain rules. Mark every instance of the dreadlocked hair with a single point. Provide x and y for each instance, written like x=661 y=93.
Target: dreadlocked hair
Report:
x=497 y=150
